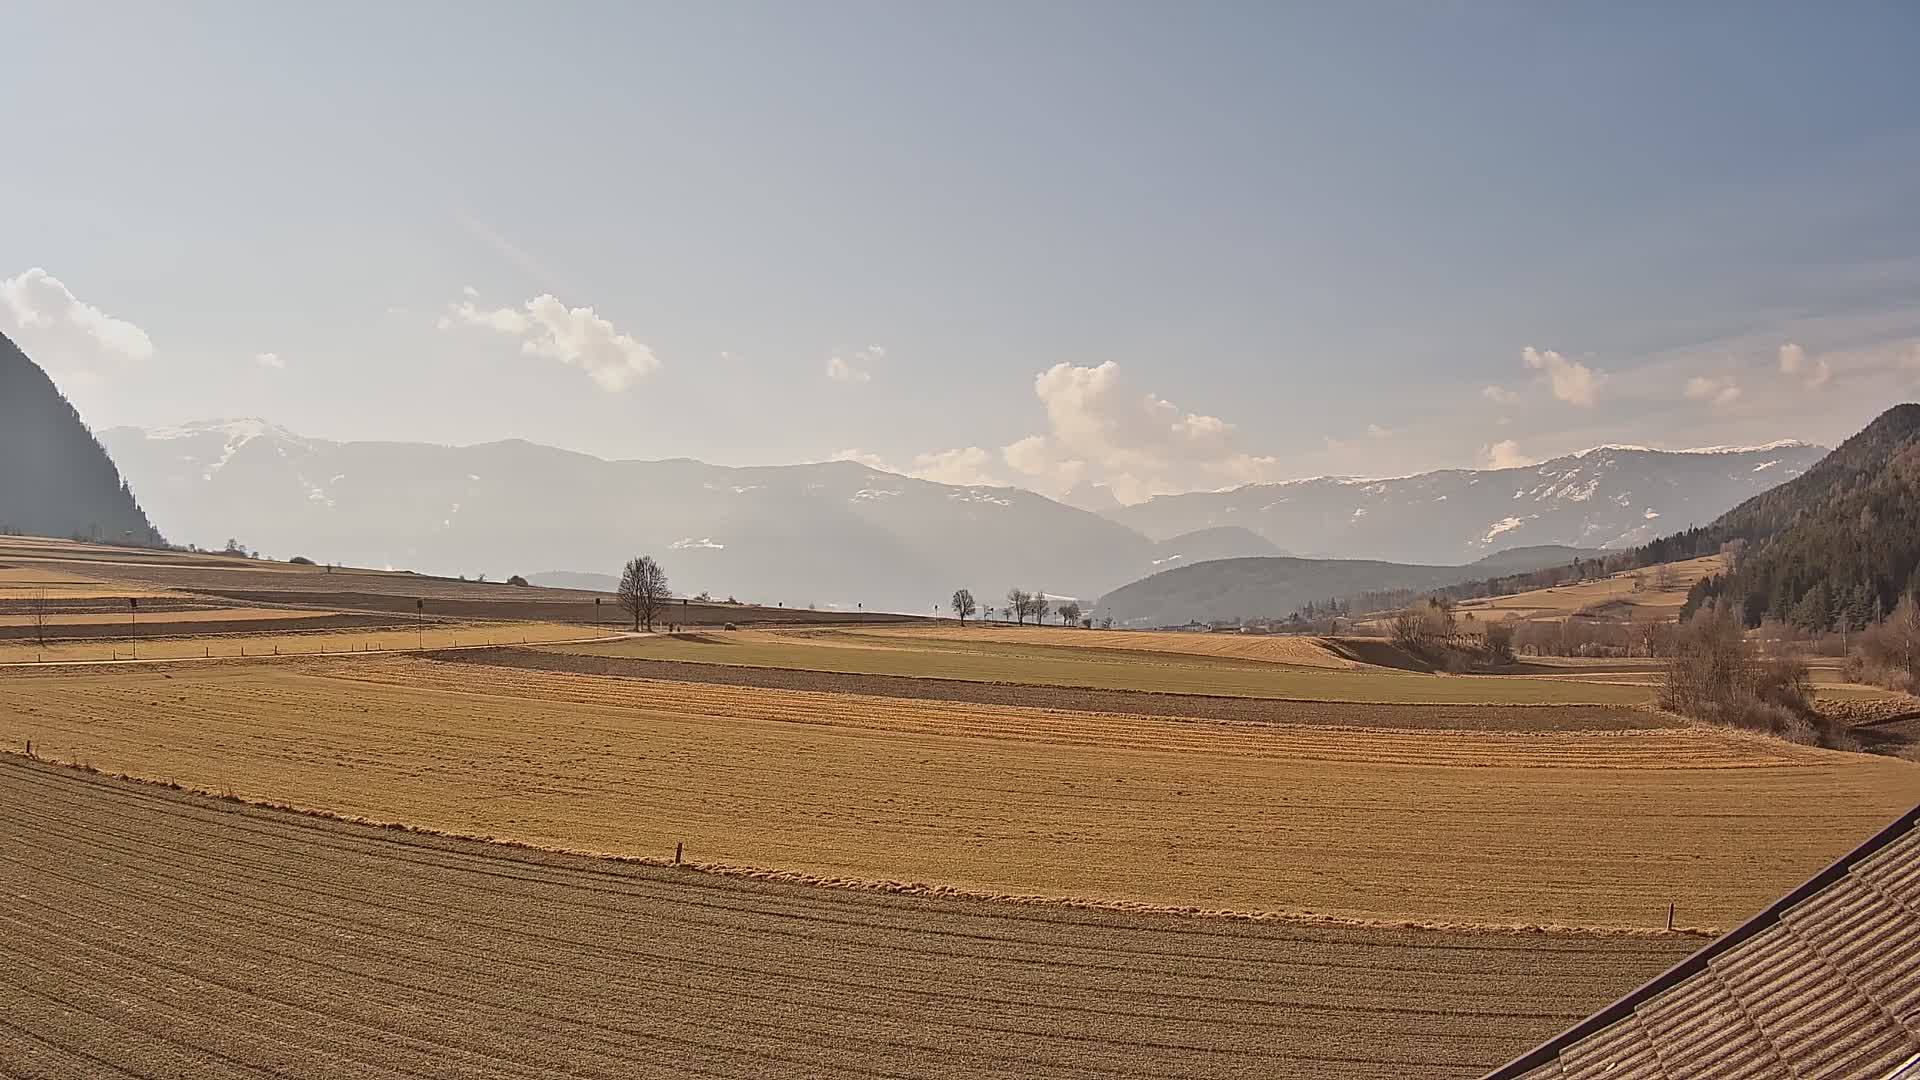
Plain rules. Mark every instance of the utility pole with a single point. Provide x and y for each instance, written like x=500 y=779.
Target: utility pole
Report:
x=420 y=621
x=596 y=613
x=133 y=614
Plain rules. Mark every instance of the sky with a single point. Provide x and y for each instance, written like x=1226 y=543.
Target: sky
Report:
x=1151 y=247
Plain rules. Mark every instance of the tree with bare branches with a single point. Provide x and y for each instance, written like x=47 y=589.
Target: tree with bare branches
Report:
x=1070 y=613
x=37 y=608
x=1020 y=604
x=964 y=604
x=643 y=590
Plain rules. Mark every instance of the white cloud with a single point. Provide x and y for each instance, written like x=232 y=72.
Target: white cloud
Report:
x=1573 y=382
x=502 y=320
x=1137 y=443
x=1792 y=358
x=1718 y=389
x=1500 y=395
x=1504 y=454
x=269 y=360
x=576 y=337
x=61 y=330
x=855 y=367
x=870 y=460
x=966 y=466
x=1793 y=363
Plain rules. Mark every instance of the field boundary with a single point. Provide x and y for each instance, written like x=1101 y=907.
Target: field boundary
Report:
x=539 y=657
x=39 y=664
x=11 y=757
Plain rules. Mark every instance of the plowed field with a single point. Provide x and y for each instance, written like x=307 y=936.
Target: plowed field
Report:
x=1096 y=666
x=1586 y=829
x=151 y=933
x=1294 y=650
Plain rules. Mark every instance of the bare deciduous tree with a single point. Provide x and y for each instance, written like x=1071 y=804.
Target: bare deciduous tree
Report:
x=1070 y=612
x=643 y=590
x=1037 y=606
x=38 y=609
x=1019 y=603
x=963 y=604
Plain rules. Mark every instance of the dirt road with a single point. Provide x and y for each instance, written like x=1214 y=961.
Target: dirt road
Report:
x=153 y=933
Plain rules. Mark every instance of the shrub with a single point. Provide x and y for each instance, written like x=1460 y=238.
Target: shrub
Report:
x=1715 y=676
x=1500 y=642
x=300 y=560
x=517 y=580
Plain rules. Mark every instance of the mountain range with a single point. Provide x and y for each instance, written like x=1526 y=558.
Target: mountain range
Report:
x=1606 y=497
x=843 y=534
x=55 y=480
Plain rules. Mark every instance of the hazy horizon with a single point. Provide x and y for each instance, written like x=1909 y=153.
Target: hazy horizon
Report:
x=1085 y=244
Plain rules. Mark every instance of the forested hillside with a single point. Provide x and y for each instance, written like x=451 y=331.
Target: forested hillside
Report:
x=55 y=479
x=1839 y=544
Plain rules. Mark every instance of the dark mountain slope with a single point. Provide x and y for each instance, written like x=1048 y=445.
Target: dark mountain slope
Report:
x=1271 y=588
x=1840 y=541
x=55 y=479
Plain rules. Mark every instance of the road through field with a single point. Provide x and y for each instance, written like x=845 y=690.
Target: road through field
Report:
x=158 y=934
x=1582 y=829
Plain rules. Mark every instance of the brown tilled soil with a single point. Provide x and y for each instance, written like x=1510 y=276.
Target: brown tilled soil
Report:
x=1127 y=702
x=153 y=933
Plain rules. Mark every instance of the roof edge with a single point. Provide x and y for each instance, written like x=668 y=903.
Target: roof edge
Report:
x=1696 y=963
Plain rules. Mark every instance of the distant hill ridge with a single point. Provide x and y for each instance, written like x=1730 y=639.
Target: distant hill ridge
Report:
x=1841 y=541
x=55 y=478
x=1272 y=588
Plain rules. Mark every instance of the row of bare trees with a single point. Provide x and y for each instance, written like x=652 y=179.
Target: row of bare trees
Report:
x=1021 y=606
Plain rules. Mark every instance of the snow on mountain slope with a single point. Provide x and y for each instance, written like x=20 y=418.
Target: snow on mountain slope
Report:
x=1607 y=496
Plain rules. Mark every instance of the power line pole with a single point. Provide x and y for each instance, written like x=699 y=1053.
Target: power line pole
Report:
x=133 y=614
x=420 y=622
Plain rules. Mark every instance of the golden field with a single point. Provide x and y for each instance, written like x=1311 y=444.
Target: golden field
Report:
x=1581 y=829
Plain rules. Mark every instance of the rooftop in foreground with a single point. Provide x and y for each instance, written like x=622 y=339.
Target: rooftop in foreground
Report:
x=1825 y=982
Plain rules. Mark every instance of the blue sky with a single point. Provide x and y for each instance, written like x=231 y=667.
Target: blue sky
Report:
x=1306 y=240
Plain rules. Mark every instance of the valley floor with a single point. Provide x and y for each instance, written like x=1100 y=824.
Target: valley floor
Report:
x=156 y=933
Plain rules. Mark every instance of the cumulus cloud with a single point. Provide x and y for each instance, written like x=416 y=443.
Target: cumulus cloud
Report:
x=1099 y=428
x=576 y=337
x=966 y=466
x=856 y=366
x=863 y=457
x=1504 y=454
x=1717 y=389
x=1794 y=364
x=269 y=360
x=63 y=331
x=1500 y=395
x=1573 y=382
x=1792 y=358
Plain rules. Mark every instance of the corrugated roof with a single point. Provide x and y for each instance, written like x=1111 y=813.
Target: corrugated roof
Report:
x=1825 y=982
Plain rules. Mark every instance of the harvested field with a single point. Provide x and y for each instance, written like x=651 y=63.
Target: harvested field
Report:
x=193 y=624
x=160 y=934
x=1581 y=829
x=1614 y=595
x=291 y=637
x=1252 y=710
x=139 y=571
x=861 y=653
x=1281 y=649
x=118 y=619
